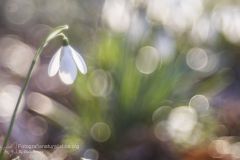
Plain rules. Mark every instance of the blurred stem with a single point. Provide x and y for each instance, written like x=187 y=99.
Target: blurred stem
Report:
x=52 y=35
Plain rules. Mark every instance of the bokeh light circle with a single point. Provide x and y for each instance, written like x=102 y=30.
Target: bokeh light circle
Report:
x=200 y=103
x=197 y=59
x=147 y=60
x=100 y=83
x=91 y=154
x=100 y=132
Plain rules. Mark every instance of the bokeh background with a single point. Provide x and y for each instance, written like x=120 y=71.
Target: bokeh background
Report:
x=163 y=80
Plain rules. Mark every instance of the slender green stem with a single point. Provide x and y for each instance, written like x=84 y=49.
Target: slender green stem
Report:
x=55 y=33
x=39 y=51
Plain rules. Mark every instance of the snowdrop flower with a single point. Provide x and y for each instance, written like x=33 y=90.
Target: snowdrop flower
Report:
x=66 y=62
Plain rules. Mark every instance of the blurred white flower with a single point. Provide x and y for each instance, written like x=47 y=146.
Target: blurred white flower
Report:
x=66 y=61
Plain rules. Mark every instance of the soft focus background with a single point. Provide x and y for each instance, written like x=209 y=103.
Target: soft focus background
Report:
x=163 y=80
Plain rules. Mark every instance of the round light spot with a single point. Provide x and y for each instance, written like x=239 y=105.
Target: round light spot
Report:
x=197 y=59
x=199 y=103
x=147 y=60
x=91 y=154
x=100 y=132
x=100 y=83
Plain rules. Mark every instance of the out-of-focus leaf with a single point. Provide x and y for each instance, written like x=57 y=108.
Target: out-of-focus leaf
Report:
x=109 y=52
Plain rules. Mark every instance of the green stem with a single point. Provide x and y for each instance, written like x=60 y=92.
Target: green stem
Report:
x=55 y=33
x=19 y=100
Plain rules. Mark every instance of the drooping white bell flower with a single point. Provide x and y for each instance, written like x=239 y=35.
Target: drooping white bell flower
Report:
x=66 y=61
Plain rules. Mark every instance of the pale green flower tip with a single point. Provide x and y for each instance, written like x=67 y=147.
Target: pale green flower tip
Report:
x=66 y=26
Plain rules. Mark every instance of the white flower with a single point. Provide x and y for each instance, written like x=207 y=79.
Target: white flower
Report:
x=66 y=61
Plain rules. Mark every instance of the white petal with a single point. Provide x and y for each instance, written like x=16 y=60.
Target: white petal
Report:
x=54 y=63
x=68 y=69
x=79 y=61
